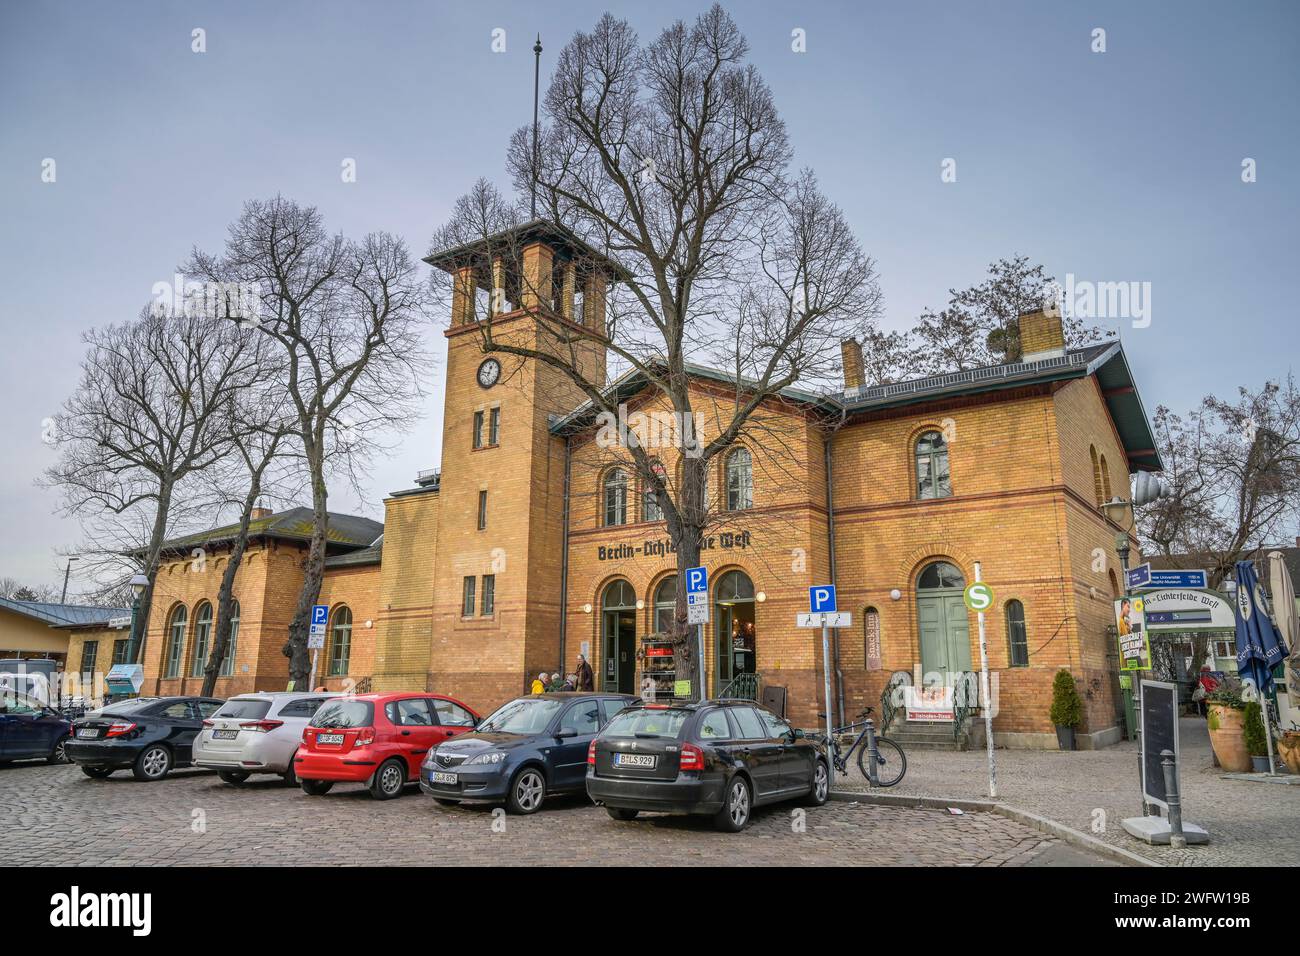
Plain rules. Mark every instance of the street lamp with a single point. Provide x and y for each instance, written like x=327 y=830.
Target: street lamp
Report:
x=138 y=584
x=1114 y=510
x=66 y=571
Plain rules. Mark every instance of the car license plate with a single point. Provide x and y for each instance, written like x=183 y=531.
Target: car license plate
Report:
x=225 y=734
x=329 y=738
x=87 y=732
x=440 y=777
x=640 y=761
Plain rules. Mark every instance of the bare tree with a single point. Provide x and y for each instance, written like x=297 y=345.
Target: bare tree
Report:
x=143 y=419
x=1234 y=471
x=670 y=163
x=347 y=316
x=15 y=590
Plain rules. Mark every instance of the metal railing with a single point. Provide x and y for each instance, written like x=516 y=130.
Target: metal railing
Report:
x=742 y=687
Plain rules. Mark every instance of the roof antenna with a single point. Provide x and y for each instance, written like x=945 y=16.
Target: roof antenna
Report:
x=537 y=77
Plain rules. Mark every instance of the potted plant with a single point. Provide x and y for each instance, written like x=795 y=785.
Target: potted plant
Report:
x=1256 y=741
x=1067 y=709
x=1227 y=723
x=1288 y=745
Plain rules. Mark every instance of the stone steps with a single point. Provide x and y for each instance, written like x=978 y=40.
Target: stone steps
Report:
x=927 y=735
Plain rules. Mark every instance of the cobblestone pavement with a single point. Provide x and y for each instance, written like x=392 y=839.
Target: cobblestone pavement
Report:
x=1249 y=823
x=55 y=815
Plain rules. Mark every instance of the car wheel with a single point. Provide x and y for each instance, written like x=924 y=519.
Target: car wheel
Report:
x=618 y=813
x=388 y=780
x=820 y=790
x=97 y=773
x=232 y=777
x=442 y=802
x=154 y=763
x=734 y=815
x=527 y=791
x=290 y=776
x=59 y=754
x=317 y=788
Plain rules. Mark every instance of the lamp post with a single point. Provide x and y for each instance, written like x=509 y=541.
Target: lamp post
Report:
x=138 y=584
x=1117 y=506
x=66 y=571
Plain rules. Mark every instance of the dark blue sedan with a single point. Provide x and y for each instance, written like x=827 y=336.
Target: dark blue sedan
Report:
x=528 y=749
x=29 y=729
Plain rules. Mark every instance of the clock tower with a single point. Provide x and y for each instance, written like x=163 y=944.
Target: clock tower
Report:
x=497 y=600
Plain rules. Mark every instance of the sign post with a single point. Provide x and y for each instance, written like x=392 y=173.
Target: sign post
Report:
x=697 y=613
x=821 y=601
x=316 y=637
x=979 y=598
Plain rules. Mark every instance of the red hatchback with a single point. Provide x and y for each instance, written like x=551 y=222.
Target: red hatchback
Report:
x=376 y=739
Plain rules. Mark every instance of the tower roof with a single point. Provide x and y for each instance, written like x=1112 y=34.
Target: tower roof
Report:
x=477 y=252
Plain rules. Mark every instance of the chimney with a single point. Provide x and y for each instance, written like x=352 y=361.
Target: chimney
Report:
x=851 y=351
x=259 y=512
x=1041 y=336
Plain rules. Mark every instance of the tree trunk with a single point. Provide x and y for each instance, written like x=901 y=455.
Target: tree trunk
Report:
x=313 y=572
x=225 y=596
x=150 y=564
x=686 y=531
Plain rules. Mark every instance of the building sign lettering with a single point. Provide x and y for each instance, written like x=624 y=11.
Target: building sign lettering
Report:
x=662 y=547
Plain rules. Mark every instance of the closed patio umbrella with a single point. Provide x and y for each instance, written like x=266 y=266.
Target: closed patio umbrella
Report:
x=1287 y=620
x=1259 y=646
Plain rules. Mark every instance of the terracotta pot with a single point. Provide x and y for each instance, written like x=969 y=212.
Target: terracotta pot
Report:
x=1289 y=747
x=1228 y=737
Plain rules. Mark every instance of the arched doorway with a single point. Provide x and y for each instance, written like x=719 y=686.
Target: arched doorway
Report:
x=941 y=619
x=733 y=600
x=618 y=637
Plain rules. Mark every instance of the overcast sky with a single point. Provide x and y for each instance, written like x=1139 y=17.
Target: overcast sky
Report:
x=1123 y=165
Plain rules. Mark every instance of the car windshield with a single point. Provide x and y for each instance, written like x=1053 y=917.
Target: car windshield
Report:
x=528 y=715
x=247 y=708
x=345 y=713
x=647 y=722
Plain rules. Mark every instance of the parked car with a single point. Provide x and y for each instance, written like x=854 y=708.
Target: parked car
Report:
x=527 y=749
x=376 y=739
x=720 y=758
x=28 y=728
x=149 y=735
x=256 y=733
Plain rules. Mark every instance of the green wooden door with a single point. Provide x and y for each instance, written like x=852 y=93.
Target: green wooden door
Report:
x=944 y=631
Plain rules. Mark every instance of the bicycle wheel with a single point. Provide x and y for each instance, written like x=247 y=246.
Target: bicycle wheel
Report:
x=891 y=762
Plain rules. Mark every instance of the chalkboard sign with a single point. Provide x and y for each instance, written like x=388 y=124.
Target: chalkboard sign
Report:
x=1159 y=733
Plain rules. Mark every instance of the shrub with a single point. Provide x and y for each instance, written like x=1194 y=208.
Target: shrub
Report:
x=1256 y=741
x=1067 y=709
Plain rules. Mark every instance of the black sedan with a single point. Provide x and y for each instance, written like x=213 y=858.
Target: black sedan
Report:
x=30 y=729
x=527 y=749
x=720 y=758
x=149 y=735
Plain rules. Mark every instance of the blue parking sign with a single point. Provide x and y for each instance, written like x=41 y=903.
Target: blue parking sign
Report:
x=697 y=580
x=319 y=614
x=821 y=598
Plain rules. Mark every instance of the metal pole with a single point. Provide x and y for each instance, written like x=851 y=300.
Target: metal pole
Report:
x=873 y=754
x=537 y=80
x=311 y=681
x=1176 y=839
x=66 y=571
x=133 y=645
x=1122 y=548
x=1268 y=731
x=826 y=678
x=984 y=694
x=699 y=666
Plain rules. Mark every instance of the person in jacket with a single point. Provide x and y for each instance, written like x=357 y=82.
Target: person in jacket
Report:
x=586 y=679
x=539 y=684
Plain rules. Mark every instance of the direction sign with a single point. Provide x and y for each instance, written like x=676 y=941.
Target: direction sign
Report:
x=978 y=596
x=821 y=597
x=1138 y=577
x=120 y=622
x=827 y=618
x=1177 y=579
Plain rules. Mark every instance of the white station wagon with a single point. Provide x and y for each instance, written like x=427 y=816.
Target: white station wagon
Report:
x=256 y=733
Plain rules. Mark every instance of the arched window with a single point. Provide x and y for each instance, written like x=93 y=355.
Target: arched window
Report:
x=740 y=480
x=1017 y=639
x=1105 y=480
x=228 y=662
x=615 y=497
x=940 y=574
x=932 y=477
x=176 y=641
x=665 y=604
x=202 y=638
x=651 y=508
x=1098 y=491
x=341 y=642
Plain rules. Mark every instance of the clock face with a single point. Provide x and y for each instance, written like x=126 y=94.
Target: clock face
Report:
x=489 y=372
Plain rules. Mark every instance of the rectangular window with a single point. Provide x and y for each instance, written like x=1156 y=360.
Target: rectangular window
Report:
x=119 y=651
x=467 y=599
x=89 y=651
x=489 y=594
x=482 y=510
x=494 y=426
x=478 y=429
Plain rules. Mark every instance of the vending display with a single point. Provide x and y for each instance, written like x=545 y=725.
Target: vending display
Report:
x=658 y=672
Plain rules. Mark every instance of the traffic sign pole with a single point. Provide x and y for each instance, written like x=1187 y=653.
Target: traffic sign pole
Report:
x=826 y=680
x=984 y=691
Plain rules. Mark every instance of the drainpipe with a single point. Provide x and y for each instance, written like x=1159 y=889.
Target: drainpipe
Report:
x=564 y=557
x=830 y=536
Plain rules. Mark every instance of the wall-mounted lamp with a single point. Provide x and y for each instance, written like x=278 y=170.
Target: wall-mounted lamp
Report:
x=895 y=595
x=760 y=597
x=586 y=609
x=370 y=623
x=640 y=605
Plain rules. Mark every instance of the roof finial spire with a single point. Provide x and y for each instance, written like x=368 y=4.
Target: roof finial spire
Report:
x=537 y=79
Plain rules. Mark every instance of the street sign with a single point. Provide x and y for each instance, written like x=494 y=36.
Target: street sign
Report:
x=978 y=596
x=697 y=595
x=825 y=618
x=120 y=622
x=1159 y=733
x=1138 y=577
x=1183 y=609
x=821 y=597
x=316 y=636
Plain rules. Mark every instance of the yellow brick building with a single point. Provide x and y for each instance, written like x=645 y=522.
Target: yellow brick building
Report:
x=534 y=543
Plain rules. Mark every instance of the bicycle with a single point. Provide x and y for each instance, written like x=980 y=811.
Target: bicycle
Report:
x=891 y=762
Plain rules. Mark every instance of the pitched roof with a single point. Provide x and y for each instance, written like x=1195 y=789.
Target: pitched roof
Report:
x=345 y=532
x=64 y=615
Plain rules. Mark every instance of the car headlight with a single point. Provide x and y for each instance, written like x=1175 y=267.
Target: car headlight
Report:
x=491 y=757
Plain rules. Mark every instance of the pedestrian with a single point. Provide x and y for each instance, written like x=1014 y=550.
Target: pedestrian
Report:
x=586 y=679
x=555 y=685
x=539 y=684
x=571 y=682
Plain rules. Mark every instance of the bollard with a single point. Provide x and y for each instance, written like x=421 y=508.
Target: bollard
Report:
x=1176 y=839
x=873 y=766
